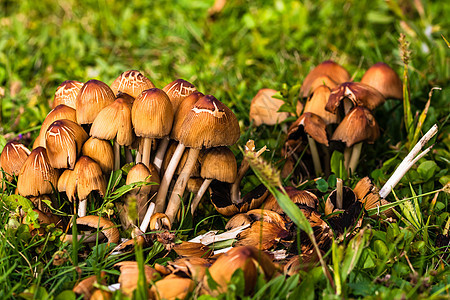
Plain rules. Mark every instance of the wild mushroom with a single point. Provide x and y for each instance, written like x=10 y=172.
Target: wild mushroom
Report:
x=152 y=116
x=140 y=173
x=86 y=178
x=313 y=127
x=60 y=112
x=12 y=158
x=172 y=287
x=114 y=123
x=129 y=273
x=92 y=98
x=217 y=163
x=358 y=125
x=131 y=82
x=37 y=176
x=316 y=104
x=381 y=77
x=183 y=109
x=335 y=72
x=354 y=94
x=101 y=152
x=64 y=140
x=209 y=124
x=177 y=91
x=66 y=93
x=297 y=196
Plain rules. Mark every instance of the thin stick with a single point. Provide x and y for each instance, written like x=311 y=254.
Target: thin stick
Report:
x=408 y=162
x=347 y=156
x=339 y=193
x=148 y=214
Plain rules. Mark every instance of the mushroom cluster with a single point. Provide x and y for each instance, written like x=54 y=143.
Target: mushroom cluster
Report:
x=337 y=115
x=95 y=129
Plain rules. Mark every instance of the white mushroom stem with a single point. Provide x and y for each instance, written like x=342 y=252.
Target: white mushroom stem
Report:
x=315 y=155
x=180 y=185
x=116 y=155
x=148 y=214
x=160 y=153
x=82 y=207
x=201 y=191
x=354 y=159
x=408 y=162
x=146 y=151
x=339 y=193
x=168 y=174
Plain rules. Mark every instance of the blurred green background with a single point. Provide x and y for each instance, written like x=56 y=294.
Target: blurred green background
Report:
x=246 y=46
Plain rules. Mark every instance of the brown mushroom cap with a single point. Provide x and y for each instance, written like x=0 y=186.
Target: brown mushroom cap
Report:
x=383 y=78
x=172 y=287
x=129 y=273
x=321 y=80
x=335 y=72
x=219 y=163
x=194 y=184
x=12 y=158
x=140 y=172
x=37 y=176
x=357 y=126
x=317 y=102
x=64 y=140
x=131 y=82
x=209 y=124
x=311 y=124
x=101 y=152
x=66 y=93
x=114 y=122
x=60 y=112
x=89 y=178
x=264 y=108
x=183 y=109
x=178 y=90
x=92 y=98
x=152 y=114
x=358 y=93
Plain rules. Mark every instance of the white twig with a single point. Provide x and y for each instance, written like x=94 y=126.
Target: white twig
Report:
x=408 y=162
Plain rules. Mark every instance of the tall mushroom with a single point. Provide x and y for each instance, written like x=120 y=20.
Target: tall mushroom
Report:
x=209 y=124
x=87 y=177
x=92 y=98
x=114 y=122
x=217 y=163
x=64 y=140
x=358 y=125
x=152 y=117
x=37 y=176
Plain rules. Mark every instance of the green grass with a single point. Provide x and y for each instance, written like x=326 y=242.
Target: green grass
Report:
x=247 y=46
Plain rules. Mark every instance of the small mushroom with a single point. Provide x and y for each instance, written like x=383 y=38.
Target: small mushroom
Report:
x=383 y=78
x=101 y=152
x=92 y=98
x=66 y=93
x=12 y=158
x=218 y=163
x=172 y=287
x=131 y=82
x=335 y=72
x=178 y=90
